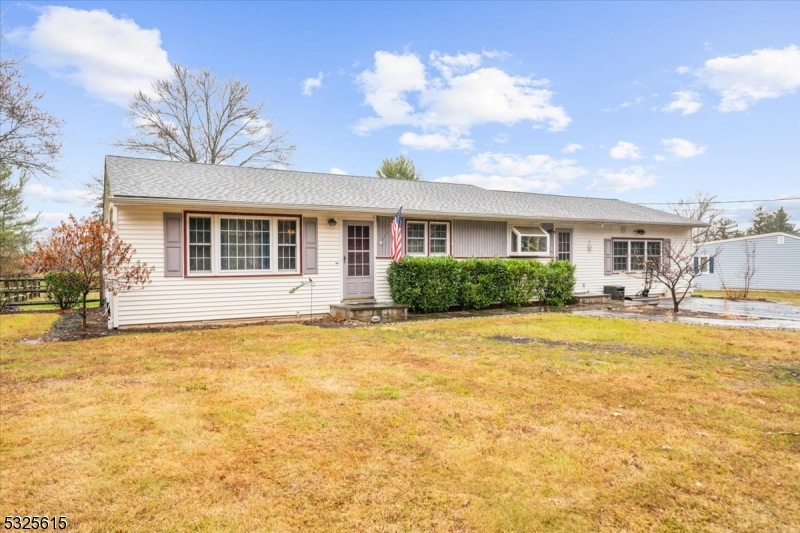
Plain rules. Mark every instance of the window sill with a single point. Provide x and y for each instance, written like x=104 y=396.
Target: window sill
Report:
x=236 y=276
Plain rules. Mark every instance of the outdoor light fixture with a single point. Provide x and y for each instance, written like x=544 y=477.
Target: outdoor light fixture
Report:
x=331 y=222
x=639 y=231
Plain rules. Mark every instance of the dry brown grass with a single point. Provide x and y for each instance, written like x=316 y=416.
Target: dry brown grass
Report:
x=536 y=423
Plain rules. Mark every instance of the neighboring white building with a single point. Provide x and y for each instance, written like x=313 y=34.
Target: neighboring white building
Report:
x=231 y=242
x=774 y=260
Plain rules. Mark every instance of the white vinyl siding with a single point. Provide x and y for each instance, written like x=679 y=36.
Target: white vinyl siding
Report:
x=224 y=297
x=587 y=256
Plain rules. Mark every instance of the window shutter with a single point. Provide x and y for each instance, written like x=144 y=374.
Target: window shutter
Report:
x=711 y=266
x=666 y=251
x=173 y=245
x=609 y=260
x=310 y=246
x=696 y=265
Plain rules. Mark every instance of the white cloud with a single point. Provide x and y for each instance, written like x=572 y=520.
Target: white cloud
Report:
x=682 y=70
x=435 y=141
x=496 y=54
x=513 y=172
x=48 y=220
x=622 y=180
x=571 y=148
x=539 y=166
x=111 y=58
x=630 y=103
x=743 y=80
x=336 y=170
x=625 y=150
x=682 y=148
x=449 y=65
x=687 y=102
x=500 y=138
x=67 y=196
x=659 y=158
x=312 y=84
x=453 y=96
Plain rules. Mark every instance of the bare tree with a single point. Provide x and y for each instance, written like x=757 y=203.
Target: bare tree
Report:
x=746 y=273
x=676 y=270
x=92 y=253
x=700 y=208
x=29 y=136
x=95 y=186
x=195 y=117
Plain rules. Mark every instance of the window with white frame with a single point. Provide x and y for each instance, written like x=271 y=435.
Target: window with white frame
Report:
x=635 y=254
x=704 y=264
x=427 y=238
x=564 y=245
x=226 y=244
x=529 y=240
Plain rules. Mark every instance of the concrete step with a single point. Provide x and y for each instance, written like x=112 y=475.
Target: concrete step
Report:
x=365 y=312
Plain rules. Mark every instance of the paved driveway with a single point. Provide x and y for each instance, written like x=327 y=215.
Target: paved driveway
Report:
x=769 y=315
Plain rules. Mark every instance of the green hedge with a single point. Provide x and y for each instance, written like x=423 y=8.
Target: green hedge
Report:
x=425 y=284
x=434 y=284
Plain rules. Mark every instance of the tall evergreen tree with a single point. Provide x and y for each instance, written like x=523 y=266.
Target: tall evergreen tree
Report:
x=763 y=221
x=399 y=168
x=781 y=222
x=16 y=227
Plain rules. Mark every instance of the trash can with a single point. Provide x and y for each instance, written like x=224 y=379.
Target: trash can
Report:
x=617 y=292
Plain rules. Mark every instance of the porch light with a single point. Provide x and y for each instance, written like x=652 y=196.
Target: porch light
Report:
x=332 y=222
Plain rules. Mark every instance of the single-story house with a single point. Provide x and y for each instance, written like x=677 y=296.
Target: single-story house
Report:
x=231 y=243
x=772 y=258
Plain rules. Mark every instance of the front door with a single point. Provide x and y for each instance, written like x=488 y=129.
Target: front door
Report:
x=358 y=269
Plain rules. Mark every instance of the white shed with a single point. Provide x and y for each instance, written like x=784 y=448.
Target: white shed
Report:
x=775 y=260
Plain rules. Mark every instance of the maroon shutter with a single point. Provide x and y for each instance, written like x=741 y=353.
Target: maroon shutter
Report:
x=173 y=245
x=310 y=257
x=608 y=250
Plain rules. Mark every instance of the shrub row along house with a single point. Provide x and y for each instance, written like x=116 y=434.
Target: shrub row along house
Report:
x=231 y=242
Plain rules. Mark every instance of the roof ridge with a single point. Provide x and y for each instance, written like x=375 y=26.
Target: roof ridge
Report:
x=212 y=165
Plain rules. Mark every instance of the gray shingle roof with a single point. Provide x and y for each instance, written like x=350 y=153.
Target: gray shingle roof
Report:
x=169 y=180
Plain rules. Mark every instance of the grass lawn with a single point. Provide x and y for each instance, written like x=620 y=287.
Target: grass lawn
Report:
x=535 y=423
x=772 y=296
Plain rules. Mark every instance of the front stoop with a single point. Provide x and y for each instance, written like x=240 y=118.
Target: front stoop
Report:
x=386 y=312
x=590 y=298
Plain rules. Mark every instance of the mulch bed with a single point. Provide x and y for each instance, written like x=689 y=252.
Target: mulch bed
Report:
x=68 y=326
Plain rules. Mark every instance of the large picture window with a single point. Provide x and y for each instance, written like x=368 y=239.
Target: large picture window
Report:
x=427 y=238
x=226 y=244
x=634 y=255
x=529 y=240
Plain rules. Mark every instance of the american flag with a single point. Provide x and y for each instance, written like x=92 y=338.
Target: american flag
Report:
x=397 y=236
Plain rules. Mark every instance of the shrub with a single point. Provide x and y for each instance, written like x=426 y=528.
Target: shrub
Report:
x=524 y=276
x=63 y=289
x=483 y=282
x=434 y=284
x=557 y=283
x=425 y=284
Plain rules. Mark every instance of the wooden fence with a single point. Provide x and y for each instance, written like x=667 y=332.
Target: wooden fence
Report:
x=21 y=292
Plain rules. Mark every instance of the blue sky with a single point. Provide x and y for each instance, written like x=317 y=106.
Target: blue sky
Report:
x=645 y=102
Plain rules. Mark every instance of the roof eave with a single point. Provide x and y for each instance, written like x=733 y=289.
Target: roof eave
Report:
x=143 y=200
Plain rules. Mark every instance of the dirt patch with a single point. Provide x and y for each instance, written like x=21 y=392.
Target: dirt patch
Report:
x=574 y=346
x=68 y=327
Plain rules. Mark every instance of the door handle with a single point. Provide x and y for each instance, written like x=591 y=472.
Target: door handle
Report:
x=344 y=258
